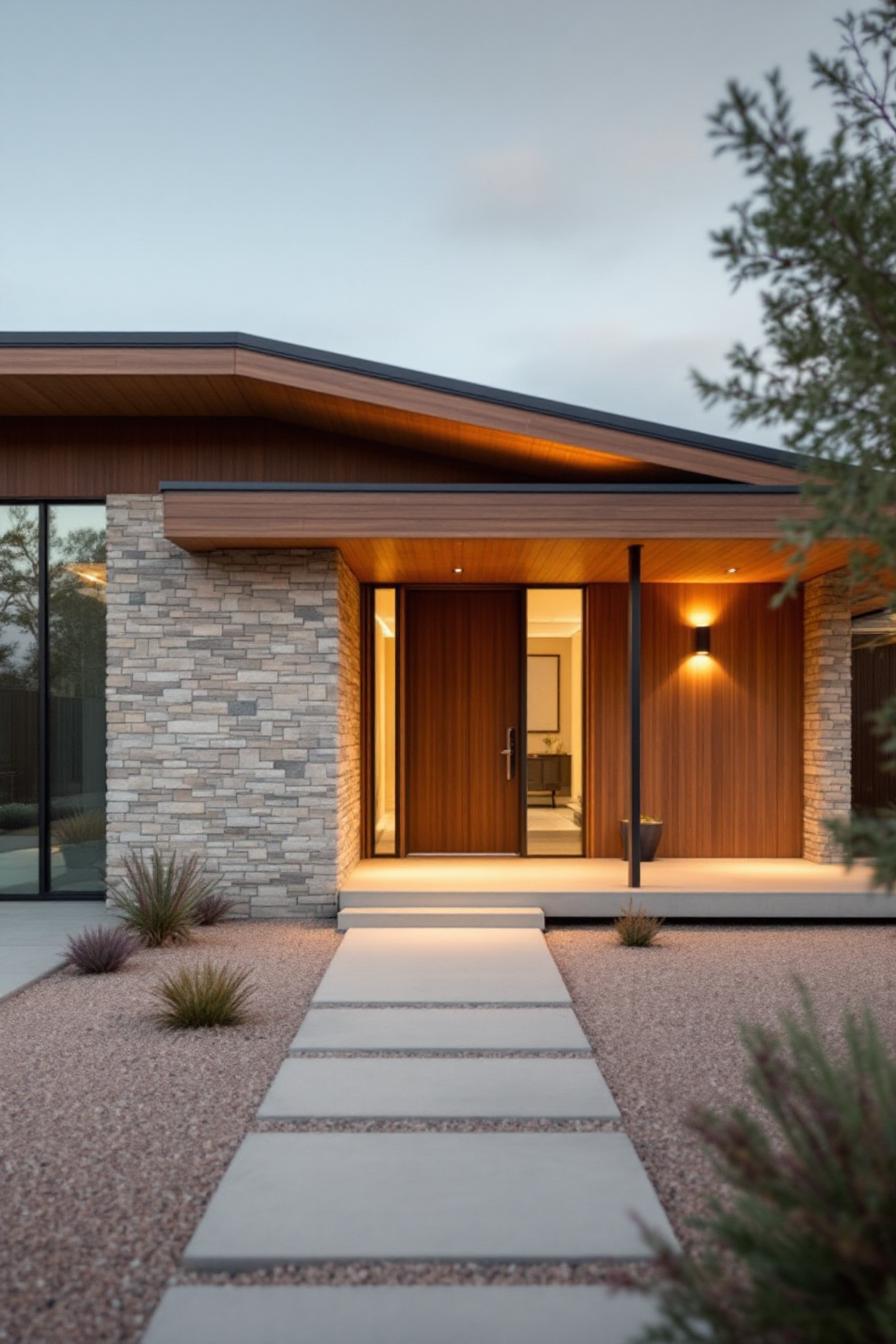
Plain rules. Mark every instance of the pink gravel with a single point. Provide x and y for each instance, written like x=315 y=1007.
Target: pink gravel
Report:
x=663 y=1021
x=114 y=1133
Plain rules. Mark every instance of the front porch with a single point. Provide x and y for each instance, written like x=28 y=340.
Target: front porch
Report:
x=775 y=889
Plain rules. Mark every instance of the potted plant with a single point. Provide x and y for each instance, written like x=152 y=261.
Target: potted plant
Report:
x=82 y=839
x=651 y=834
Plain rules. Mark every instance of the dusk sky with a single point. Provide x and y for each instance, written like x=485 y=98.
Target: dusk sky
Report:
x=512 y=192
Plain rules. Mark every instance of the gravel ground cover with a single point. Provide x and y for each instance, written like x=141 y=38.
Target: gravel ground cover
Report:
x=663 y=1021
x=114 y=1133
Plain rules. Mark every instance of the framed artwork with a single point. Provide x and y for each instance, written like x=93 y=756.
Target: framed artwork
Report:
x=543 y=693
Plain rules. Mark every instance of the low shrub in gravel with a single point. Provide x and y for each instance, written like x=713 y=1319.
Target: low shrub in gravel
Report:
x=801 y=1241
x=636 y=928
x=101 y=950
x=204 y=996
x=157 y=897
x=211 y=908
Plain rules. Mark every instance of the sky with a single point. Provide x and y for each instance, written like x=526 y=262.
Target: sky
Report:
x=506 y=191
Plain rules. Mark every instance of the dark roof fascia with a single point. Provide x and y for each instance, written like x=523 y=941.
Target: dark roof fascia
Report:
x=474 y=488
x=391 y=373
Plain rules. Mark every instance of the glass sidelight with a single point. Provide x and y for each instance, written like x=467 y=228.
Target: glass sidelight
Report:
x=554 y=721
x=385 y=645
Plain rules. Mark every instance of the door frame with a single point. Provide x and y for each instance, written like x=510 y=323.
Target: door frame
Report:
x=368 y=752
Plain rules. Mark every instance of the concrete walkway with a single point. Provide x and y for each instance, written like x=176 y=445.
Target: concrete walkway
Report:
x=440 y=1028
x=34 y=935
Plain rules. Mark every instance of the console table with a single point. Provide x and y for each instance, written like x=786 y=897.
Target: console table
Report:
x=549 y=773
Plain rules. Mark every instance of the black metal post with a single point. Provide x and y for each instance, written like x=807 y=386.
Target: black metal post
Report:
x=634 y=716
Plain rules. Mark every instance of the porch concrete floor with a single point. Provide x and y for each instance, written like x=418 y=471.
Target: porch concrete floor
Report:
x=595 y=888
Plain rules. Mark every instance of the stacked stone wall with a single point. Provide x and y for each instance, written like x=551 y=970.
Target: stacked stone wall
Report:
x=827 y=711
x=233 y=693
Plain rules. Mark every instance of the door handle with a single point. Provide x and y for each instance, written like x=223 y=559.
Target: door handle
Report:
x=509 y=753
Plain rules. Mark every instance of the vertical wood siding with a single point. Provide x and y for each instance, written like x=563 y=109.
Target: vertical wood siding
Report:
x=722 y=736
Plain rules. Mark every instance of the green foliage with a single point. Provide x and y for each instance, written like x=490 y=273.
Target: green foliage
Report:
x=800 y=1246
x=80 y=828
x=158 y=896
x=636 y=928
x=17 y=816
x=204 y=996
x=100 y=951
x=818 y=235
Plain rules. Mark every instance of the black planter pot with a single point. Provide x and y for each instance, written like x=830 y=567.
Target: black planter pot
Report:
x=651 y=834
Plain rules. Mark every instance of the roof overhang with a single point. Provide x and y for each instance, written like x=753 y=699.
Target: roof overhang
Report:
x=231 y=374
x=521 y=534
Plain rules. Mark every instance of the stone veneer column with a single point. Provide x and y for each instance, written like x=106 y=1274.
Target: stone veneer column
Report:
x=233 y=699
x=827 y=711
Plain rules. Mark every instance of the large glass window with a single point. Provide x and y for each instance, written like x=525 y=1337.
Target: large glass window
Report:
x=384 y=754
x=52 y=698
x=873 y=683
x=19 y=704
x=77 y=696
x=554 y=721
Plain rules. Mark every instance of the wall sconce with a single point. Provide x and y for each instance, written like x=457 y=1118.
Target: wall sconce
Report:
x=701 y=640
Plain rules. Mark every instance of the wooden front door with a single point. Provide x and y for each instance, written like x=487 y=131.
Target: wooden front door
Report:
x=461 y=718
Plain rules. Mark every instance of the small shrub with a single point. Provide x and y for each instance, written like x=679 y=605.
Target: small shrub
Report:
x=17 y=816
x=203 y=996
x=158 y=896
x=800 y=1243
x=211 y=907
x=636 y=928
x=80 y=828
x=101 y=950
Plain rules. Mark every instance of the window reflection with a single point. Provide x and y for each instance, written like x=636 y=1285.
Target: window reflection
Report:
x=19 y=706
x=77 y=704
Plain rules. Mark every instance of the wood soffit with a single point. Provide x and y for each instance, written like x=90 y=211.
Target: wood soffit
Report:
x=505 y=537
x=232 y=381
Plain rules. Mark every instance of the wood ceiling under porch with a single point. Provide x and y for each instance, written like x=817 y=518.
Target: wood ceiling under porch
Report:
x=508 y=534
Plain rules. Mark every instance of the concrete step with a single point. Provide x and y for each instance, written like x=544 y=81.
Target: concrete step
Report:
x=441 y=917
x=455 y=900
x=444 y=968
x=450 y=1088
x=389 y=1314
x=294 y=1199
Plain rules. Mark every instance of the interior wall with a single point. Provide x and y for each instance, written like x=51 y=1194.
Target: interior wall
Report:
x=563 y=649
x=722 y=736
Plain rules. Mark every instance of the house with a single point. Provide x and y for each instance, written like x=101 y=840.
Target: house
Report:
x=294 y=611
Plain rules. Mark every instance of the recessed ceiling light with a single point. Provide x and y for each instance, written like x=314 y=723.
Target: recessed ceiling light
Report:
x=458 y=569
x=732 y=569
